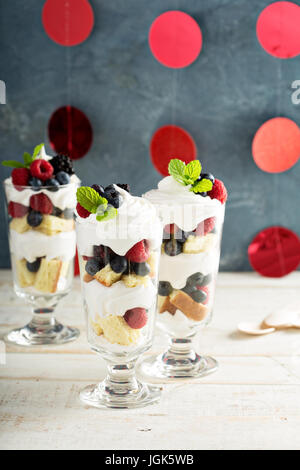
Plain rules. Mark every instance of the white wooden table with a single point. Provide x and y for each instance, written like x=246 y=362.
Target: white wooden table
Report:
x=252 y=402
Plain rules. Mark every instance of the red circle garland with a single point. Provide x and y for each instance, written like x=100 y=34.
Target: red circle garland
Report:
x=175 y=39
x=171 y=142
x=275 y=252
x=68 y=22
x=70 y=132
x=278 y=29
x=276 y=145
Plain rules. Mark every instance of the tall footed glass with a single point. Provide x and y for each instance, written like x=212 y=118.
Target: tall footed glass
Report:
x=42 y=241
x=189 y=264
x=119 y=274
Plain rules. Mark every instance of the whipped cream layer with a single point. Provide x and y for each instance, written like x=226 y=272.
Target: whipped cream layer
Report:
x=117 y=299
x=32 y=244
x=136 y=220
x=176 y=269
x=177 y=325
x=177 y=204
x=64 y=198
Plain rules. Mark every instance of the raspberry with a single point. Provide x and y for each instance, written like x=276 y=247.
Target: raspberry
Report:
x=17 y=210
x=218 y=191
x=41 y=169
x=20 y=177
x=82 y=212
x=206 y=290
x=205 y=227
x=139 y=252
x=86 y=258
x=136 y=318
x=41 y=203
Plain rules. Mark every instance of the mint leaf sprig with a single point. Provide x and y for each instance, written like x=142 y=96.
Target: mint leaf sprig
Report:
x=189 y=175
x=95 y=204
x=27 y=158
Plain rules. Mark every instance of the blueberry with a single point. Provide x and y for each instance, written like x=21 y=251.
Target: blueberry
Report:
x=164 y=288
x=110 y=189
x=56 y=211
x=206 y=280
x=189 y=289
x=141 y=269
x=34 y=218
x=99 y=189
x=68 y=213
x=93 y=266
x=118 y=264
x=207 y=176
x=199 y=296
x=202 y=194
x=195 y=279
x=113 y=196
x=173 y=248
x=33 y=267
x=53 y=184
x=63 y=177
x=35 y=183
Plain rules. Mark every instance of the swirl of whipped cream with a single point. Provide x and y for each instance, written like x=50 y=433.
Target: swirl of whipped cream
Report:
x=177 y=204
x=136 y=220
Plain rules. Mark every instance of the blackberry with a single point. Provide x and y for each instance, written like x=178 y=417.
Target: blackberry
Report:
x=173 y=248
x=99 y=189
x=56 y=212
x=124 y=186
x=62 y=163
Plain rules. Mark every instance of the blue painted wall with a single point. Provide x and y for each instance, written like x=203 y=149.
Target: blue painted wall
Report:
x=221 y=100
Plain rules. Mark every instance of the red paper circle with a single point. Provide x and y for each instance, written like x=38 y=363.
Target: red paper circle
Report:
x=171 y=142
x=68 y=22
x=275 y=252
x=276 y=145
x=175 y=39
x=70 y=132
x=278 y=29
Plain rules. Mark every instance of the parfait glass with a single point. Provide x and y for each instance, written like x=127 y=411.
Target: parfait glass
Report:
x=189 y=265
x=42 y=244
x=119 y=302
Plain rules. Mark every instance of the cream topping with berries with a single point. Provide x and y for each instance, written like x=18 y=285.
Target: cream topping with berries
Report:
x=64 y=198
x=178 y=204
x=136 y=219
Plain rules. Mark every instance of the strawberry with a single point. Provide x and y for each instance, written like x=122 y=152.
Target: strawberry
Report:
x=139 y=252
x=205 y=227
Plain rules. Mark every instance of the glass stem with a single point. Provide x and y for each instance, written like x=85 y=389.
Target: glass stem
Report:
x=121 y=380
x=42 y=319
x=180 y=353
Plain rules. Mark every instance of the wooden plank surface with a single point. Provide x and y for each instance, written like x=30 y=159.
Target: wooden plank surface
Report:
x=251 y=402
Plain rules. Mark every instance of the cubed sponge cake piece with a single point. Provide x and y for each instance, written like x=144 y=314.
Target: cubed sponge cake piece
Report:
x=52 y=225
x=164 y=305
x=19 y=224
x=25 y=277
x=116 y=330
x=194 y=245
x=107 y=276
x=132 y=280
x=191 y=309
x=48 y=275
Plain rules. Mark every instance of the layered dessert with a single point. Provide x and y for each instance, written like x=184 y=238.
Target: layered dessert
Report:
x=41 y=198
x=118 y=238
x=191 y=204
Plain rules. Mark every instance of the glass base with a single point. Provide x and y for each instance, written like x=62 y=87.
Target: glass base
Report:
x=99 y=396
x=31 y=335
x=179 y=361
